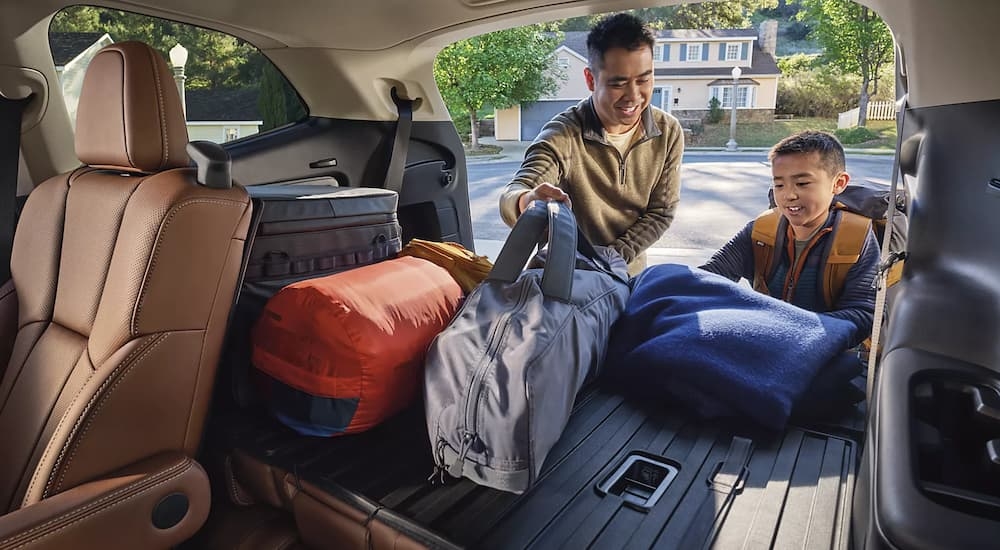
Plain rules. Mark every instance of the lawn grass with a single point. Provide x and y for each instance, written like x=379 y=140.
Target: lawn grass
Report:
x=766 y=134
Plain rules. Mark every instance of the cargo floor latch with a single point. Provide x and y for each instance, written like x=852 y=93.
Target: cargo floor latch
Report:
x=640 y=480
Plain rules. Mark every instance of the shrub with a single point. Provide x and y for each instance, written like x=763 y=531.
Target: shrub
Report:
x=854 y=136
x=818 y=92
x=715 y=111
x=790 y=65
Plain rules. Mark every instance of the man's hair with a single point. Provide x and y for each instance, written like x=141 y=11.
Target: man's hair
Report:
x=831 y=152
x=621 y=30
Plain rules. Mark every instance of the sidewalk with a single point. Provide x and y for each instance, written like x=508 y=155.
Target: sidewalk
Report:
x=514 y=151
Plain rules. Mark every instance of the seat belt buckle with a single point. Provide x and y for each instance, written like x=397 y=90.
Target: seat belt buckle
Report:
x=885 y=265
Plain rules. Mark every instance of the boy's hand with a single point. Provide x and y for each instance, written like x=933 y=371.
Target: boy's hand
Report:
x=543 y=192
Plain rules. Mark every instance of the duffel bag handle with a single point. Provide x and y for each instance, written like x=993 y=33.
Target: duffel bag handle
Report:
x=557 y=279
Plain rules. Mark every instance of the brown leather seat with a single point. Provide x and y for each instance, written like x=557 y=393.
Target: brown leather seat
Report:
x=123 y=276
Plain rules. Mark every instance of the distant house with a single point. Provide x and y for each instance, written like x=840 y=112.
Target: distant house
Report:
x=690 y=67
x=213 y=114
x=222 y=114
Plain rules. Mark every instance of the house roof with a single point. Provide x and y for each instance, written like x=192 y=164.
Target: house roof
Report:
x=222 y=104
x=576 y=41
x=763 y=64
x=729 y=81
x=66 y=46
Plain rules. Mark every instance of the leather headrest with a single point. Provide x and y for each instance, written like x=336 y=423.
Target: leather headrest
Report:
x=129 y=116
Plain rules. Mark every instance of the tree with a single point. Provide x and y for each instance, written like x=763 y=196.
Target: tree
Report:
x=856 y=40
x=734 y=14
x=502 y=69
x=271 y=101
x=214 y=58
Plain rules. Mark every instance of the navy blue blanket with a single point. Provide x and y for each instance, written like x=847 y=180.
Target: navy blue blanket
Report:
x=719 y=347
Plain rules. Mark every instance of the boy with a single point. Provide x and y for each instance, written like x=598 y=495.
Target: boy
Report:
x=614 y=155
x=809 y=172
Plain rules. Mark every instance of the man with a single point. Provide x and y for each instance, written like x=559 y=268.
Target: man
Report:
x=612 y=157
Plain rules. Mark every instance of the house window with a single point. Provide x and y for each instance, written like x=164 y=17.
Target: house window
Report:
x=563 y=62
x=732 y=52
x=725 y=96
x=232 y=133
x=657 y=52
x=694 y=52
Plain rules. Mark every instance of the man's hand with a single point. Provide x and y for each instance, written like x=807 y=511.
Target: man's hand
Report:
x=543 y=192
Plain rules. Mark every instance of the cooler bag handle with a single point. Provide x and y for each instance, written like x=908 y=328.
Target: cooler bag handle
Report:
x=557 y=278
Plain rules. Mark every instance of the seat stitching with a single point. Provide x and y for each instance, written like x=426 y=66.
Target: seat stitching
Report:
x=75 y=443
x=186 y=464
x=63 y=420
x=236 y=493
x=153 y=483
x=159 y=243
x=165 y=153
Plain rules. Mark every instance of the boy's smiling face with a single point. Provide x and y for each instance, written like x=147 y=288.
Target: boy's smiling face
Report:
x=804 y=190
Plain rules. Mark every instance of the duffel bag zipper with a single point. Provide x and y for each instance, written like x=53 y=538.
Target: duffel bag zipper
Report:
x=475 y=393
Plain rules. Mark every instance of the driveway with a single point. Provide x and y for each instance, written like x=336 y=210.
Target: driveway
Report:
x=720 y=193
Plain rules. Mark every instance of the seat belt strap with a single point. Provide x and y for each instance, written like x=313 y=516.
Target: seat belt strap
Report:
x=10 y=152
x=397 y=157
x=888 y=259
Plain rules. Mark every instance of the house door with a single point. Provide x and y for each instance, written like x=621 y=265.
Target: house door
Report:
x=663 y=97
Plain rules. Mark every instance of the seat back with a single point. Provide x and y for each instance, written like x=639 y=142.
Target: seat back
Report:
x=124 y=271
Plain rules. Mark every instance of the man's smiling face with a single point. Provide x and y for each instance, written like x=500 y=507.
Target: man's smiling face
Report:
x=621 y=87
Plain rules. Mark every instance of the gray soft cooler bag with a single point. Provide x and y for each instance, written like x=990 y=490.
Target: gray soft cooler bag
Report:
x=502 y=377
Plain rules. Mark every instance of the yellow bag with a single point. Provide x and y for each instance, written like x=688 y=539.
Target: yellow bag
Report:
x=465 y=266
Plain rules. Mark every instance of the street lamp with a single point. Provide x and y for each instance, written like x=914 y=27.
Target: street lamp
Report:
x=178 y=57
x=731 y=145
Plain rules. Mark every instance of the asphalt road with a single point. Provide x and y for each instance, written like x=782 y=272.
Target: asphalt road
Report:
x=719 y=194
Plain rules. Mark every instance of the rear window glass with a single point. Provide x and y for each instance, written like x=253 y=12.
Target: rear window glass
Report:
x=230 y=90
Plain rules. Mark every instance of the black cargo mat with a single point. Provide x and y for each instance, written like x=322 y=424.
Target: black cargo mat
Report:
x=792 y=490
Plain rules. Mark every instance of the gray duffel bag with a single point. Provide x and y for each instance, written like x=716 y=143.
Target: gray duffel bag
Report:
x=501 y=379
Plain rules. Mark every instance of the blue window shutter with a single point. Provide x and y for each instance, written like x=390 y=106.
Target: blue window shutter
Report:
x=743 y=51
x=722 y=51
x=684 y=52
x=666 y=52
x=704 y=51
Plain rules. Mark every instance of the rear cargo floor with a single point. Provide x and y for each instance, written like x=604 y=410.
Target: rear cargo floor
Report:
x=793 y=489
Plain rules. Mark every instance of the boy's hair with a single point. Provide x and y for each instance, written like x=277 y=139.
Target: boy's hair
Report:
x=831 y=152
x=621 y=30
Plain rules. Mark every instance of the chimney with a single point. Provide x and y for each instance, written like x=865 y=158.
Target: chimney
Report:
x=768 y=37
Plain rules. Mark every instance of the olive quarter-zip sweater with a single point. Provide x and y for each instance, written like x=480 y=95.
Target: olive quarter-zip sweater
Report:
x=626 y=201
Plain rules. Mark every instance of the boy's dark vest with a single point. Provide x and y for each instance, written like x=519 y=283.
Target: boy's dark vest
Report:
x=848 y=240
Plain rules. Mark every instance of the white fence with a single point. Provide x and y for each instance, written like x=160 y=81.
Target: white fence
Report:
x=877 y=110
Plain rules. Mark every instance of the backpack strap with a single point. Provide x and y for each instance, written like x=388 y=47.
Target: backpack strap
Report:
x=764 y=236
x=848 y=240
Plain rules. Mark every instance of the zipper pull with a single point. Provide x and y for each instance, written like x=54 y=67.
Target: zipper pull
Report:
x=438 y=474
x=455 y=470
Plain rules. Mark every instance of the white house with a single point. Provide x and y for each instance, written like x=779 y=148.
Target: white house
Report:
x=690 y=67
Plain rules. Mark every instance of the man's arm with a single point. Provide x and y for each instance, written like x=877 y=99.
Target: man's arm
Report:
x=663 y=199
x=857 y=301
x=735 y=259
x=541 y=164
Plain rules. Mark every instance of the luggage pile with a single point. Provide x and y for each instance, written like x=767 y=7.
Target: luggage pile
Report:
x=345 y=328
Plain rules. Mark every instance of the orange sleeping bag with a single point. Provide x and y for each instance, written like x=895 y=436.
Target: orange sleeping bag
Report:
x=342 y=353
